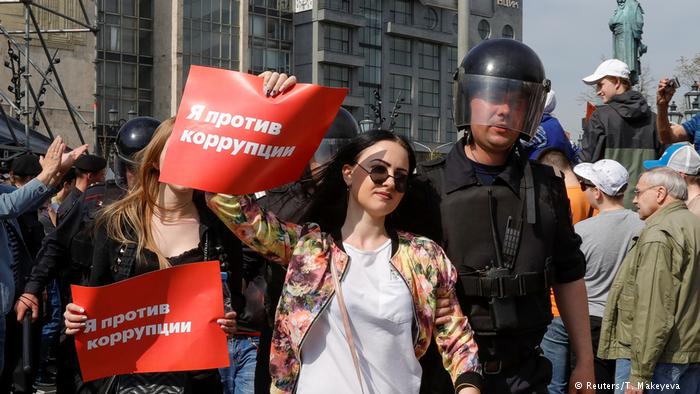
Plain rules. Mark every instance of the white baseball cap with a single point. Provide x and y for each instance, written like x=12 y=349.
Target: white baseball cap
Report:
x=681 y=157
x=609 y=68
x=607 y=175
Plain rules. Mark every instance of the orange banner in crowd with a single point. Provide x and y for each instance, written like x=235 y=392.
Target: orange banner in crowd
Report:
x=230 y=138
x=157 y=322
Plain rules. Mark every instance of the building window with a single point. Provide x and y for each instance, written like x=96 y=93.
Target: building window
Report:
x=508 y=31
x=371 y=33
x=401 y=88
x=124 y=60
x=403 y=12
x=484 y=29
x=270 y=35
x=336 y=76
x=370 y=76
x=281 y=5
x=451 y=61
x=210 y=32
x=371 y=73
x=257 y=26
x=429 y=93
x=337 y=39
x=430 y=19
x=428 y=128
x=401 y=51
x=455 y=24
x=403 y=125
x=337 y=5
x=428 y=56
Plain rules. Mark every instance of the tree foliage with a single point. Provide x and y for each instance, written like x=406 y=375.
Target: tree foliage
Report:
x=688 y=69
x=647 y=84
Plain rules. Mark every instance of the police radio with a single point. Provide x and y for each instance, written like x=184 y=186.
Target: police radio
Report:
x=502 y=306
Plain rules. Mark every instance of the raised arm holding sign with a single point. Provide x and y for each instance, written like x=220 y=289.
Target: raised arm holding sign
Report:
x=230 y=137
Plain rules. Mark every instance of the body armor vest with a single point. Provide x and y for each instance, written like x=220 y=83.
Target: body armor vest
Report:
x=501 y=256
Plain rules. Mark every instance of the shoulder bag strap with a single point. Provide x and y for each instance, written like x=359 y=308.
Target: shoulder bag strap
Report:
x=346 y=324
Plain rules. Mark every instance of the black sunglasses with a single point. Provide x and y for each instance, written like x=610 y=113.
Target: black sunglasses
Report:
x=380 y=173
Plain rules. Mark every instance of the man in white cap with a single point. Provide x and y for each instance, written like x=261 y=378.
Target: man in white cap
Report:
x=682 y=157
x=624 y=128
x=606 y=239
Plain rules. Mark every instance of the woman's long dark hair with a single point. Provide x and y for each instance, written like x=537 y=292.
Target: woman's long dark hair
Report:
x=329 y=203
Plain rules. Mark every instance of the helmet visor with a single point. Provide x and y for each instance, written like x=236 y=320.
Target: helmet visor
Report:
x=120 y=168
x=328 y=148
x=501 y=102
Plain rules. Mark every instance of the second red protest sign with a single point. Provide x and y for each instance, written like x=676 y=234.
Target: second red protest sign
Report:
x=157 y=322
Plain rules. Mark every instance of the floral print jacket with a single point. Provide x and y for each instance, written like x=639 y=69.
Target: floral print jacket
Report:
x=308 y=287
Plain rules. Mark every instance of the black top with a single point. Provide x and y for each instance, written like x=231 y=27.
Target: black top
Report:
x=222 y=245
x=486 y=174
x=460 y=171
x=151 y=264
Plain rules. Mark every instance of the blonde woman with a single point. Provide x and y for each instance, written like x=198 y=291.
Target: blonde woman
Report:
x=157 y=226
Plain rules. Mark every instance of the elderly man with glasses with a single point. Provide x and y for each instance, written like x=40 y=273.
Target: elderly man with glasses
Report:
x=652 y=318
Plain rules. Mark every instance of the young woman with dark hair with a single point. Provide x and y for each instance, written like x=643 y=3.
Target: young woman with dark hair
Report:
x=357 y=309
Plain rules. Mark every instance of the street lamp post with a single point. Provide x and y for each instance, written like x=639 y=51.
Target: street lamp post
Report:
x=111 y=129
x=692 y=101
x=366 y=124
x=674 y=116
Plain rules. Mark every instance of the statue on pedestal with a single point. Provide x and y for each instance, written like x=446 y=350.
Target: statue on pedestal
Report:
x=626 y=24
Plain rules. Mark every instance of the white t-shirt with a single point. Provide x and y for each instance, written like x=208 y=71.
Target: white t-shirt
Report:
x=381 y=312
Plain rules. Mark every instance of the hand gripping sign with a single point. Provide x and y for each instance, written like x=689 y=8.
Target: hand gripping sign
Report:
x=157 y=322
x=230 y=138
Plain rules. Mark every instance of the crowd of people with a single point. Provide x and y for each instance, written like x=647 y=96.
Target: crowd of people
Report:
x=517 y=263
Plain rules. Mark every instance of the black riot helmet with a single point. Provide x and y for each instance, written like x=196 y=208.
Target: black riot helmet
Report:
x=133 y=136
x=342 y=130
x=500 y=73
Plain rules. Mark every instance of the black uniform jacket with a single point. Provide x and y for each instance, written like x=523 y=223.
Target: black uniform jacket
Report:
x=74 y=215
x=461 y=221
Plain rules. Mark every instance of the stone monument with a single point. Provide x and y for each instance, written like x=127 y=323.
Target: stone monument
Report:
x=626 y=25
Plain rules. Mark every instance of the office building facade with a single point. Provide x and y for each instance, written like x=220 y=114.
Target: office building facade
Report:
x=406 y=50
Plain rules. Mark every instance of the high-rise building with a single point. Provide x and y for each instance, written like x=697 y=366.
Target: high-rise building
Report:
x=406 y=50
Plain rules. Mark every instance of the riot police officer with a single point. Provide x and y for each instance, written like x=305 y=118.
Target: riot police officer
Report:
x=133 y=136
x=504 y=222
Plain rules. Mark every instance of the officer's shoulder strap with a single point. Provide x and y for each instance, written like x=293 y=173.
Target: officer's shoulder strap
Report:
x=434 y=171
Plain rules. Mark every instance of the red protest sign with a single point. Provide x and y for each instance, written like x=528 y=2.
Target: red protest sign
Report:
x=230 y=138
x=157 y=322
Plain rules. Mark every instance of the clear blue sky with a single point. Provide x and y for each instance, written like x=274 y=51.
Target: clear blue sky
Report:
x=571 y=36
